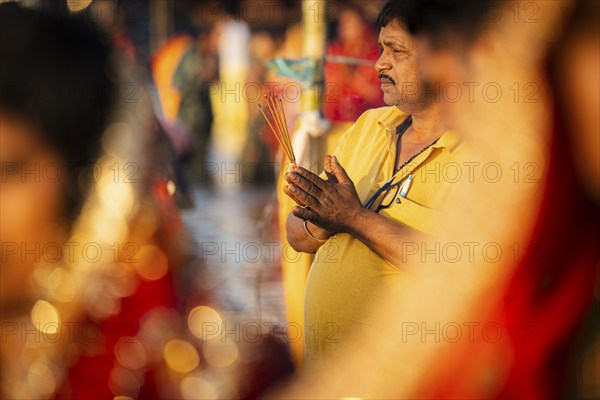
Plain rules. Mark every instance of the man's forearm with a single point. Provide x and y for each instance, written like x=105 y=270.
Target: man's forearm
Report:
x=299 y=239
x=382 y=235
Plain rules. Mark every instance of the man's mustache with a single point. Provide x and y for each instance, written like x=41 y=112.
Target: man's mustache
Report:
x=384 y=76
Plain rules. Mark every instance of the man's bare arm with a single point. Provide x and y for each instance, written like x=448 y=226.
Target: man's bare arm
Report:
x=299 y=239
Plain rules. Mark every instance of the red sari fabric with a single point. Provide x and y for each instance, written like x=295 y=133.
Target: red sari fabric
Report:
x=89 y=377
x=552 y=287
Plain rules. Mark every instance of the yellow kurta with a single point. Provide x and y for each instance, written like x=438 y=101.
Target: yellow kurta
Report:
x=346 y=275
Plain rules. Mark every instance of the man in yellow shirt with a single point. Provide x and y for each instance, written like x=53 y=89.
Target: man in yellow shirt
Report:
x=391 y=176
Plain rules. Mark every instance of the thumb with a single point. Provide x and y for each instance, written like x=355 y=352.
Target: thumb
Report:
x=340 y=172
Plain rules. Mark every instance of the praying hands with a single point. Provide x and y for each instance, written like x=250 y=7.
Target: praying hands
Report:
x=332 y=205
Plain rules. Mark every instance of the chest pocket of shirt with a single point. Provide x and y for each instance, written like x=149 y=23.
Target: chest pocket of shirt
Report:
x=414 y=215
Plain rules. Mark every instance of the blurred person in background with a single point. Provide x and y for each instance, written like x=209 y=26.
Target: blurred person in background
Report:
x=173 y=138
x=352 y=89
x=260 y=148
x=231 y=114
x=184 y=69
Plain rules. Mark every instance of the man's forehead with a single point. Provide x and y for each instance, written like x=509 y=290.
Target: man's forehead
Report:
x=394 y=33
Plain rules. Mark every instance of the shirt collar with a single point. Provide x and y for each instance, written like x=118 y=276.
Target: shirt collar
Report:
x=393 y=117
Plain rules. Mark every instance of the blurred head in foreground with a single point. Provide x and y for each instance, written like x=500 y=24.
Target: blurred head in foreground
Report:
x=55 y=96
x=82 y=232
x=453 y=38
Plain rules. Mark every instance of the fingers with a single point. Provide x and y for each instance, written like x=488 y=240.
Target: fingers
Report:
x=328 y=169
x=306 y=181
x=300 y=196
x=288 y=192
x=339 y=171
x=309 y=176
x=305 y=213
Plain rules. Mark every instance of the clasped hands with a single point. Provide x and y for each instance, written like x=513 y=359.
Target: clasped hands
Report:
x=332 y=204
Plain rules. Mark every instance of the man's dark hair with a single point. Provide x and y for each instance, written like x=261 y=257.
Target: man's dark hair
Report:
x=446 y=23
x=395 y=11
x=56 y=73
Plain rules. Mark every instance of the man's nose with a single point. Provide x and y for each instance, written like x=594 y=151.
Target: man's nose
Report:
x=382 y=64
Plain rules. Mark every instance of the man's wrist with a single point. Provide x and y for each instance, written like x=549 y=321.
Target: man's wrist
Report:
x=357 y=224
x=316 y=232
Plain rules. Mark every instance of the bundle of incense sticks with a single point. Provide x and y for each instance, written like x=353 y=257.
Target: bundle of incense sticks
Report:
x=278 y=124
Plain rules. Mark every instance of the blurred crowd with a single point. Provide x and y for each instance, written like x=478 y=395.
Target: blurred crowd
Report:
x=116 y=115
